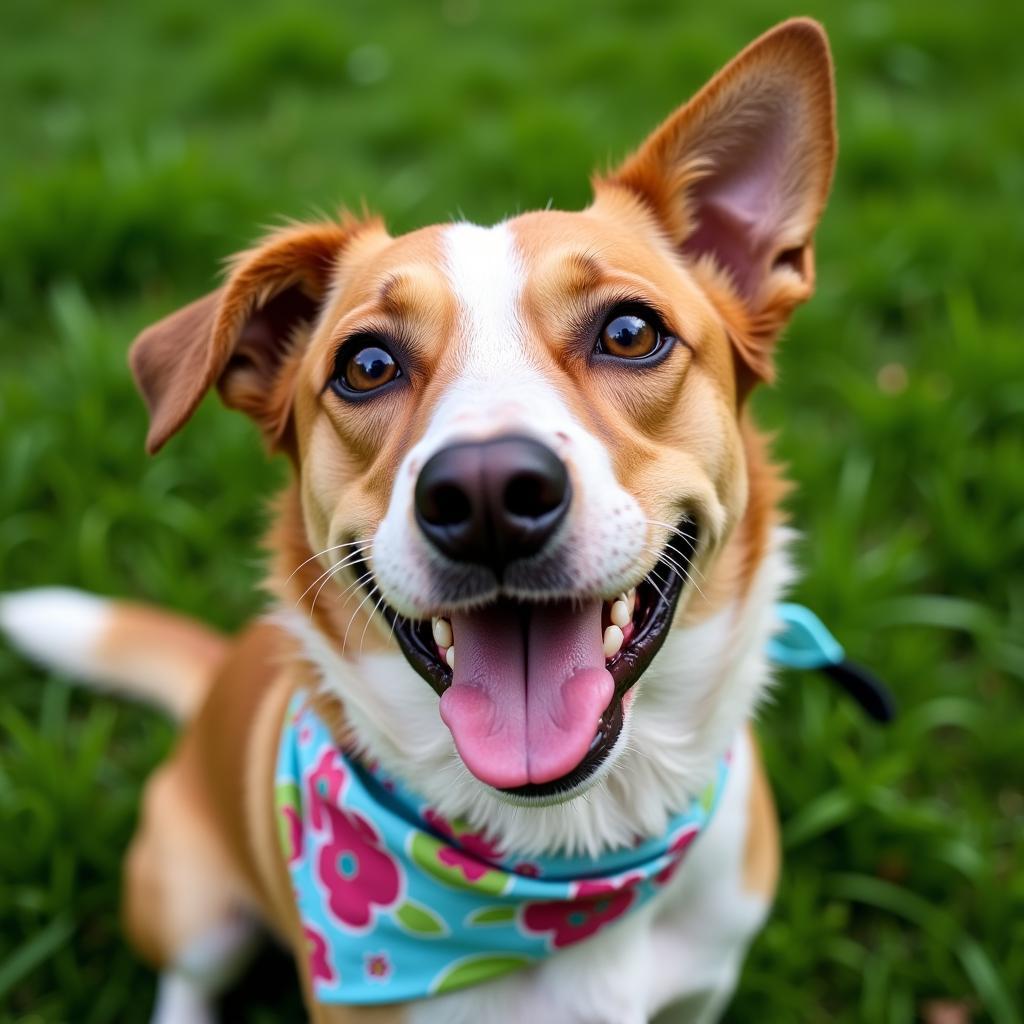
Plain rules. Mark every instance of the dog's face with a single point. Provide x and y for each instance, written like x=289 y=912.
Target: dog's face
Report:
x=532 y=427
x=519 y=448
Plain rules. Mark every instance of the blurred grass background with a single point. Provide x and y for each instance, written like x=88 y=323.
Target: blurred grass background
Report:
x=142 y=143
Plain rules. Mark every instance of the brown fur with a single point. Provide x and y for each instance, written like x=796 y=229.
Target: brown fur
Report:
x=762 y=852
x=181 y=679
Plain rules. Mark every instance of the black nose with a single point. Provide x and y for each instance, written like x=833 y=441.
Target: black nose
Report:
x=491 y=502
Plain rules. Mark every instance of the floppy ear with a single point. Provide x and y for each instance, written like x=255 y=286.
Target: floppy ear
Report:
x=242 y=337
x=738 y=178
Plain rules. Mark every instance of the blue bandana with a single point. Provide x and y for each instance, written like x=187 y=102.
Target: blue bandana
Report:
x=398 y=903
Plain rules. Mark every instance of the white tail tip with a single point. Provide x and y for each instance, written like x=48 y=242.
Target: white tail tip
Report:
x=143 y=653
x=56 y=626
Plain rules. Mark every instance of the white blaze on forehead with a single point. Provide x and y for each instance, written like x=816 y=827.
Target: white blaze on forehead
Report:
x=486 y=273
x=503 y=385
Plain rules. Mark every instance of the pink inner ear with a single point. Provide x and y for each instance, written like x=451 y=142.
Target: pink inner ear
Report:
x=263 y=341
x=738 y=207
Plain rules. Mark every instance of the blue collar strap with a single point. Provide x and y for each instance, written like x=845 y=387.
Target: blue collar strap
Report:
x=805 y=643
x=398 y=903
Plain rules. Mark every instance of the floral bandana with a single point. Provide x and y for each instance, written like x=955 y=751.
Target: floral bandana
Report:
x=398 y=903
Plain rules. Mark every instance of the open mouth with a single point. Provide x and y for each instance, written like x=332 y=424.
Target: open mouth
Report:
x=532 y=691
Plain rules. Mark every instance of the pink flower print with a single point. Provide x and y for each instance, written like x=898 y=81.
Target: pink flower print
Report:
x=527 y=869
x=677 y=851
x=319 y=956
x=595 y=888
x=570 y=921
x=326 y=781
x=357 y=874
x=474 y=855
x=471 y=868
x=377 y=966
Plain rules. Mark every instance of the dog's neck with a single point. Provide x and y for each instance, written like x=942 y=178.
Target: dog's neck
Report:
x=699 y=691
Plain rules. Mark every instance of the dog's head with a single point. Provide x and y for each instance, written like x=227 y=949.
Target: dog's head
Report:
x=522 y=447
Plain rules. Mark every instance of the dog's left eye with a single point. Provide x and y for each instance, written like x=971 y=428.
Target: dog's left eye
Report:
x=364 y=365
x=630 y=334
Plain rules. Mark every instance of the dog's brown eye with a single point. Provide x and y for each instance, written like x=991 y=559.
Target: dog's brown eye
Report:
x=369 y=368
x=364 y=367
x=629 y=335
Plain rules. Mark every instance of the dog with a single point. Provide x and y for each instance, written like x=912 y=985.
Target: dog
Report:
x=525 y=573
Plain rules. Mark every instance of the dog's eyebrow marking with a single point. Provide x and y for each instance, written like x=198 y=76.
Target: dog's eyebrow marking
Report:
x=583 y=271
x=388 y=297
x=412 y=296
x=397 y=293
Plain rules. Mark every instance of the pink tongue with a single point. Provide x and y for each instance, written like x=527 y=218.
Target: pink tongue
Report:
x=526 y=712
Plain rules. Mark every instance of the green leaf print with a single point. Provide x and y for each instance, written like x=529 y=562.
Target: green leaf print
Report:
x=287 y=798
x=447 y=865
x=472 y=970
x=491 y=916
x=707 y=798
x=420 y=920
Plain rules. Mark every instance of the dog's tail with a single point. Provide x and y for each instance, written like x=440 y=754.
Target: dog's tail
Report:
x=141 y=652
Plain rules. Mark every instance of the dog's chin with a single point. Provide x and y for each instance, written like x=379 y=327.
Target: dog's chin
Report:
x=591 y=722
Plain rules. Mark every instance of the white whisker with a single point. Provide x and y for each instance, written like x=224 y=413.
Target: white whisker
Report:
x=350 y=559
x=326 y=551
x=679 y=533
x=344 y=642
x=341 y=595
x=366 y=575
x=369 y=619
x=394 y=621
x=682 y=572
x=661 y=592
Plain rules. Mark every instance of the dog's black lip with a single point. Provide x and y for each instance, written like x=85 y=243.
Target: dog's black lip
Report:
x=660 y=590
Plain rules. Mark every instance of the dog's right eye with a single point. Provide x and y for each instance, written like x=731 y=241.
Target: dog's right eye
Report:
x=363 y=365
x=633 y=333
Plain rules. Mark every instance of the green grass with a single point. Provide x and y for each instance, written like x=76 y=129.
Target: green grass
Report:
x=142 y=144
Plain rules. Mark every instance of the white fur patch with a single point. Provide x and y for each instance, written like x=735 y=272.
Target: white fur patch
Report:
x=180 y=1001
x=57 y=627
x=709 y=918
x=487 y=276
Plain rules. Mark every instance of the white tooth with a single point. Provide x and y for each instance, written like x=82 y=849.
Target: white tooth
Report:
x=620 y=614
x=631 y=602
x=612 y=641
x=442 y=633
x=450 y=657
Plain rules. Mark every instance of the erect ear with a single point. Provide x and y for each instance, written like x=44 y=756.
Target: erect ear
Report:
x=242 y=337
x=739 y=176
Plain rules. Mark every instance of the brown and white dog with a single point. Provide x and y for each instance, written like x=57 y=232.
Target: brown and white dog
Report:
x=527 y=444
